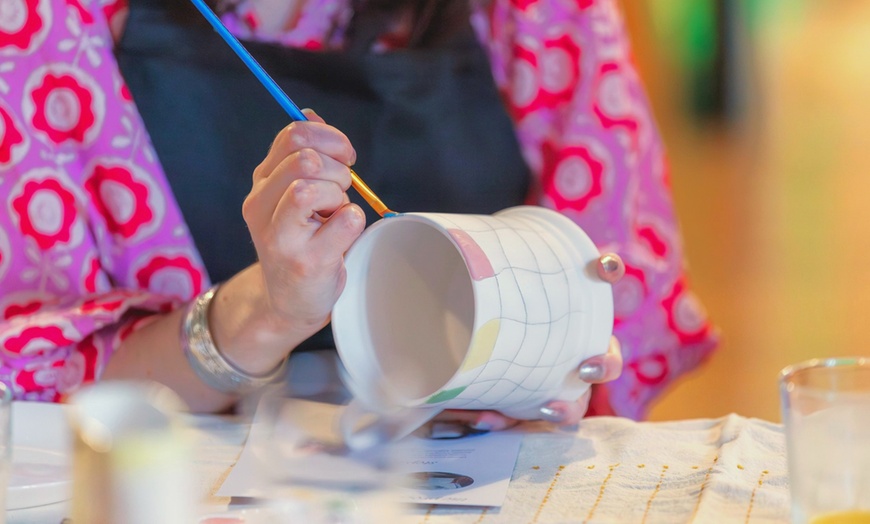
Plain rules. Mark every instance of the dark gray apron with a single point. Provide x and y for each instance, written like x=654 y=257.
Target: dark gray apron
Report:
x=428 y=124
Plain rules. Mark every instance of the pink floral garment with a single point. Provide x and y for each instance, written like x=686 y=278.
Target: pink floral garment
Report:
x=566 y=74
x=584 y=124
x=90 y=237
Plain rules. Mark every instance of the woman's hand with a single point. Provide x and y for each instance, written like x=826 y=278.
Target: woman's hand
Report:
x=301 y=220
x=301 y=223
x=595 y=370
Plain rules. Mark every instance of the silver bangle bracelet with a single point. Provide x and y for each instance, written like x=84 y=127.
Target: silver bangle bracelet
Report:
x=206 y=359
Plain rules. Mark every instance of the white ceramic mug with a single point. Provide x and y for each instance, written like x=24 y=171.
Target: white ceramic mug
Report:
x=451 y=311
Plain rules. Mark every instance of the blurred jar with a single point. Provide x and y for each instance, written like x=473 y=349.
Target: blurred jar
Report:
x=131 y=460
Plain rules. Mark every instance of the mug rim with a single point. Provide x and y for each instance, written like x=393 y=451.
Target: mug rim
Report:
x=385 y=391
x=787 y=386
x=817 y=363
x=579 y=241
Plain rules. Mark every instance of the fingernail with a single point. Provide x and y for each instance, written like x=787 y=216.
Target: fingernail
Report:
x=552 y=414
x=592 y=372
x=357 y=217
x=447 y=430
x=481 y=425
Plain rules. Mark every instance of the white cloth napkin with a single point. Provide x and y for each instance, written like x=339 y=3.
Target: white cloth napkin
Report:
x=610 y=470
x=730 y=469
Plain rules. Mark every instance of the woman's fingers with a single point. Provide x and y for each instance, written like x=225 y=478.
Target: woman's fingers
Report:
x=565 y=412
x=311 y=115
x=298 y=239
x=477 y=420
x=301 y=221
x=304 y=135
x=610 y=268
x=304 y=199
x=603 y=368
x=338 y=232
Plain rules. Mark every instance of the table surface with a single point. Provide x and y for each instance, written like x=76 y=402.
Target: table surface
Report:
x=730 y=469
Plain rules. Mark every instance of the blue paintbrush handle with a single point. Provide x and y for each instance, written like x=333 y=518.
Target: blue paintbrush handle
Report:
x=274 y=89
x=281 y=97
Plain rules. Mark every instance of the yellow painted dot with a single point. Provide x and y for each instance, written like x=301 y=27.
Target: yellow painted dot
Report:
x=641 y=465
x=765 y=472
x=591 y=467
x=665 y=466
x=536 y=467
x=694 y=467
x=739 y=466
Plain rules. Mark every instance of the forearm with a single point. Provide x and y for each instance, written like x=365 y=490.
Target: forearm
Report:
x=154 y=352
x=242 y=326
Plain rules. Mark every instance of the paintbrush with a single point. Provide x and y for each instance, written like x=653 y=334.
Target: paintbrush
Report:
x=281 y=97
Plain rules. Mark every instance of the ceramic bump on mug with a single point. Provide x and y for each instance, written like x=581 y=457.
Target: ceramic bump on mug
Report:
x=467 y=312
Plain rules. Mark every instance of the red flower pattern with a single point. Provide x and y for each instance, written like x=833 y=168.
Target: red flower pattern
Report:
x=121 y=199
x=171 y=275
x=15 y=310
x=653 y=239
x=686 y=316
x=522 y=5
x=524 y=86
x=629 y=293
x=612 y=101
x=51 y=300
x=41 y=379
x=84 y=15
x=91 y=354
x=12 y=140
x=108 y=303
x=560 y=70
x=20 y=23
x=36 y=338
x=46 y=212
x=124 y=92
x=112 y=9
x=93 y=275
x=544 y=78
x=651 y=370
x=63 y=108
x=571 y=175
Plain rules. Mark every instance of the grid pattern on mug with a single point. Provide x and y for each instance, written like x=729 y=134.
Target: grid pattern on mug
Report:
x=535 y=315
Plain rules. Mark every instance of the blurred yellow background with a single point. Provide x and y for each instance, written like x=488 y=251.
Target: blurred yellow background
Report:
x=770 y=180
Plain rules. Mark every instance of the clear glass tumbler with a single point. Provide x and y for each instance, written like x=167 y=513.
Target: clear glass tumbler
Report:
x=5 y=445
x=826 y=412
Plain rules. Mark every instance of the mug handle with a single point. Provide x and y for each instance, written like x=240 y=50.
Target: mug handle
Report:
x=382 y=428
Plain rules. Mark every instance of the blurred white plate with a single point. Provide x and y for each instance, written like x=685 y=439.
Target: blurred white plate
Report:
x=41 y=456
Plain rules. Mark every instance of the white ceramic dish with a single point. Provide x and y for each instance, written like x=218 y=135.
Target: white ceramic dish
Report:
x=41 y=456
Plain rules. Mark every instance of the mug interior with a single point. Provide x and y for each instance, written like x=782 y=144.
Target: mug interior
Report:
x=419 y=303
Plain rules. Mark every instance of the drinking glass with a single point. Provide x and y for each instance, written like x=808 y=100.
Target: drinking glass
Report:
x=307 y=474
x=5 y=445
x=826 y=412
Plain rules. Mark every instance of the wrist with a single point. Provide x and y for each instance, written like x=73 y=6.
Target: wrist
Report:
x=247 y=328
x=212 y=367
